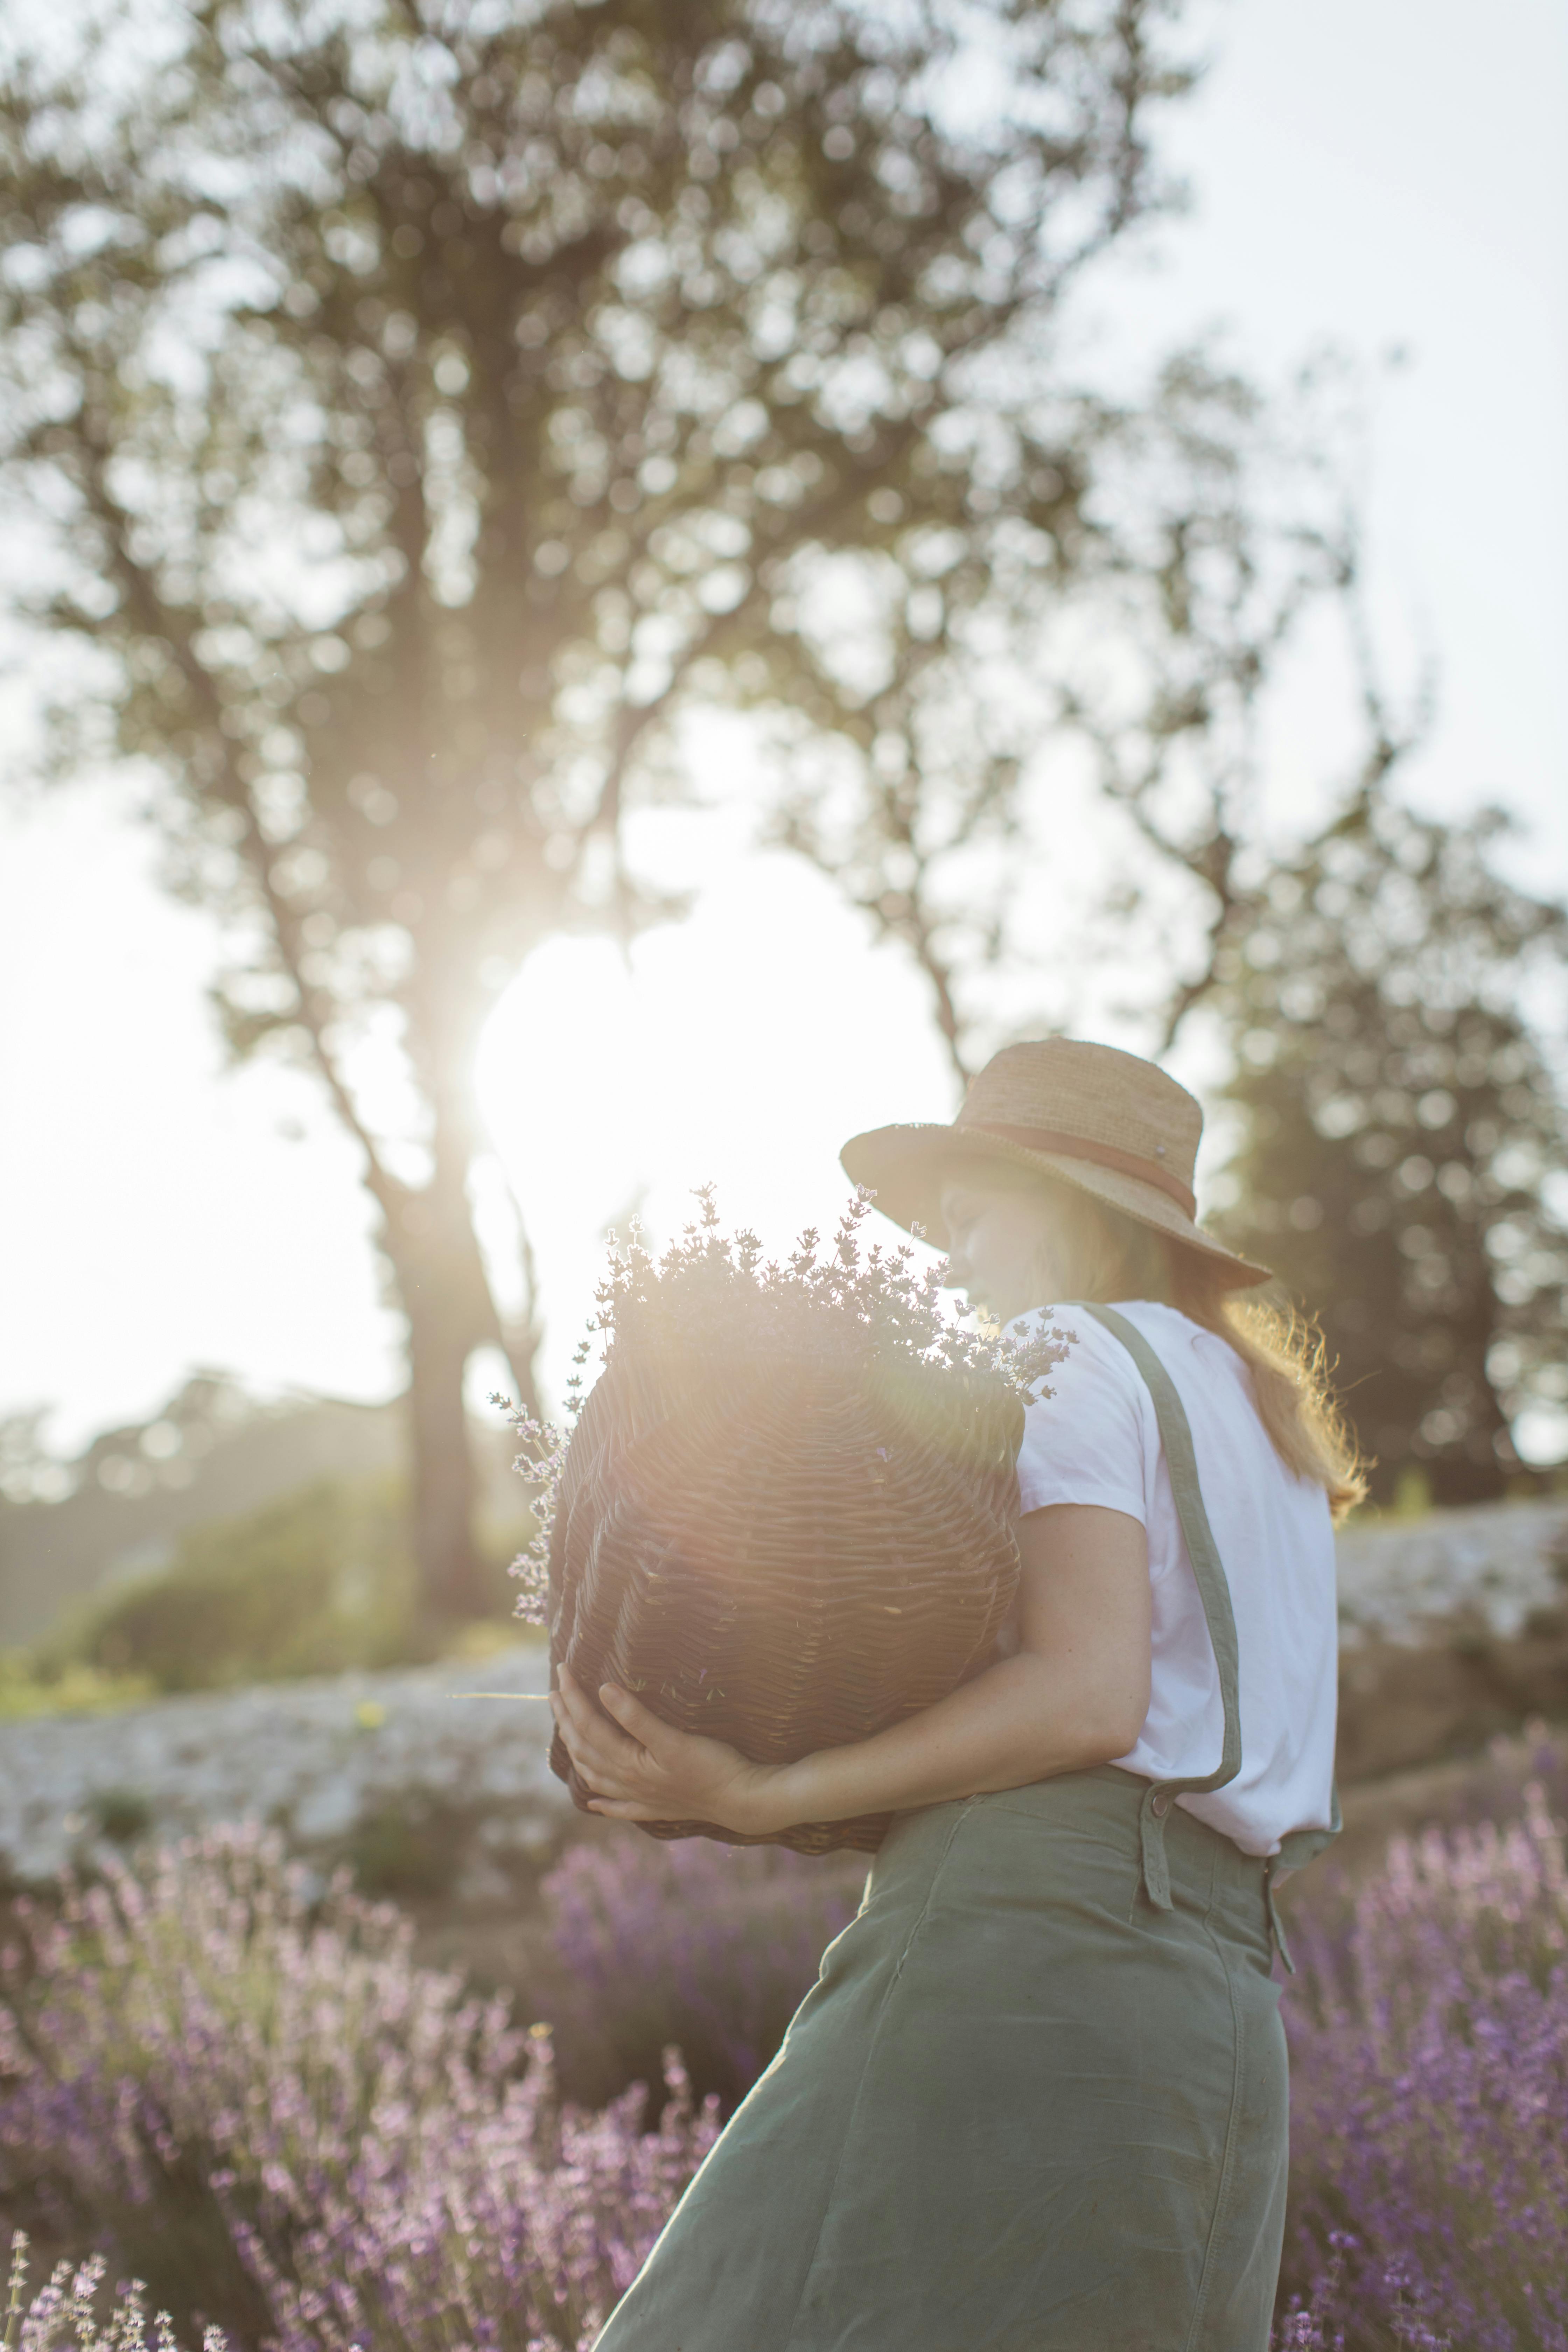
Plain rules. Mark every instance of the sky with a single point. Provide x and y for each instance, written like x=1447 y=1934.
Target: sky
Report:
x=1383 y=178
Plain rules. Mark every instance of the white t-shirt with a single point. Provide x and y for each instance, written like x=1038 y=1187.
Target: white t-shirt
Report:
x=1097 y=1440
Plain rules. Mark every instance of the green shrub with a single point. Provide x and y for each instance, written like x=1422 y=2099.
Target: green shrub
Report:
x=316 y=1582
x=408 y=1852
x=123 y=1815
x=65 y=1688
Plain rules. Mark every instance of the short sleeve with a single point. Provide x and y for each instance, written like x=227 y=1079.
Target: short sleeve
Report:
x=1087 y=1441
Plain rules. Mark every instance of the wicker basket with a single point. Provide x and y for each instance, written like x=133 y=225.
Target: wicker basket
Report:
x=785 y=1553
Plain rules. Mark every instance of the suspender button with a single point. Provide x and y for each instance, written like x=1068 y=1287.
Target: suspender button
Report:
x=1160 y=1804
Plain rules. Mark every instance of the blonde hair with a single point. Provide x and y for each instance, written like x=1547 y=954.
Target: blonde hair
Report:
x=1098 y=1254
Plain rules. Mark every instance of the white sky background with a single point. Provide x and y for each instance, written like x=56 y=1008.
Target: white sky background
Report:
x=1364 y=170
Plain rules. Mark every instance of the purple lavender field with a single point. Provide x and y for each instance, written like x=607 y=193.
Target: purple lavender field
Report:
x=1429 y=2049
x=258 y=2101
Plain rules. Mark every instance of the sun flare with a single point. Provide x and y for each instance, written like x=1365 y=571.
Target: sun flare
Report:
x=739 y=1049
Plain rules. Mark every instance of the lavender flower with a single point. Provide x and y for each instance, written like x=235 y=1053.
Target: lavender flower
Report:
x=1429 y=2036
x=204 y=2059
x=243 y=2087
x=63 y=2315
x=709 y=1286
x=710 y=1945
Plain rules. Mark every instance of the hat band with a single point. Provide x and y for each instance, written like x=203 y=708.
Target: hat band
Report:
x=1104 y=1155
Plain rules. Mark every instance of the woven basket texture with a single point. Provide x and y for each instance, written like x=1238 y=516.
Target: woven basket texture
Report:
x=787 y=1556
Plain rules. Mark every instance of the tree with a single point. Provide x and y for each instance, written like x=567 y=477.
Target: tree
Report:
x=419 y=407
x=1208 y=525
x=1401 y=1132
x=1374 y=977
x=1399 y=1127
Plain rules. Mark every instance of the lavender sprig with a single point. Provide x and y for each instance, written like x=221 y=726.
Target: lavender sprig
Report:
x=714 y=1291
x=63 y=2315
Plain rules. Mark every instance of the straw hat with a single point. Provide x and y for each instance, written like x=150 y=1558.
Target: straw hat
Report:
x=1101 y=1119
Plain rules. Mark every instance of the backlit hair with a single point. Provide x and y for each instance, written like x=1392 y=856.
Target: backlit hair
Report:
x=1099 y=1254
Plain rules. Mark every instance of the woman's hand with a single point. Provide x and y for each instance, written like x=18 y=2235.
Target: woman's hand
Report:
x=641 y=1770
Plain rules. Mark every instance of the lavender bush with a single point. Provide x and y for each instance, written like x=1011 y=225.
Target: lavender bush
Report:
x=1317 y=2324
x=706 y=1946
x=1429 y=2037
x=64 y=2317
x=509 y=2221
x=271 y=2114
x=250 y=2096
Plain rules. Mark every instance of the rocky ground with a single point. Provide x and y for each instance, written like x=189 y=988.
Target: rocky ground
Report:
x=423 y=1785
x=1496 y=1565
x=1454 y=1629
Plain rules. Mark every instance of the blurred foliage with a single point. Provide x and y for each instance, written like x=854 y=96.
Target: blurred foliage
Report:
x=1212 y=525
x=710 y=1947
x=1403 y=1133
x=317 y=1582
x=413 y=412
x=30 y=1686
x=1393 y=1007
x=209 y=1452
x=122 y=1815
x=28 y=1469
x=409 y=1853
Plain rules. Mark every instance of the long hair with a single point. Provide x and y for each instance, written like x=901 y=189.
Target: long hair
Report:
x=1098 y=1254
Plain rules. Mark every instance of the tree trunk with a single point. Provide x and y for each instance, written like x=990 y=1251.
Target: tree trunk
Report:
x=438 y=1276
x=441 y=1337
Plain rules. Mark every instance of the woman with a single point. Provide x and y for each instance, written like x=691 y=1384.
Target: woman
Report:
x=1037 y=2100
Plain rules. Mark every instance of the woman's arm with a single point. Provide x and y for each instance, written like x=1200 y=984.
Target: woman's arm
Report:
x=1076 y=1694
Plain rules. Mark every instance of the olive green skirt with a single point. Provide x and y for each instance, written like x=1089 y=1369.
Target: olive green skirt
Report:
x=1022 y=2110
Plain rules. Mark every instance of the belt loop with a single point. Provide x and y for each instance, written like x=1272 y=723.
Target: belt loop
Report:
x=1151 y=1814
x=1275 y=1927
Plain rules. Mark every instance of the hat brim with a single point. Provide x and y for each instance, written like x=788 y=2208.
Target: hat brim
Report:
x=906 y=1168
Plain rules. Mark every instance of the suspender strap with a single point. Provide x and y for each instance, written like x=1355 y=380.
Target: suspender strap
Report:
x=1303 y=1846
x=1214 y=1591
x=1176 y=1436
x=1300 y=1847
